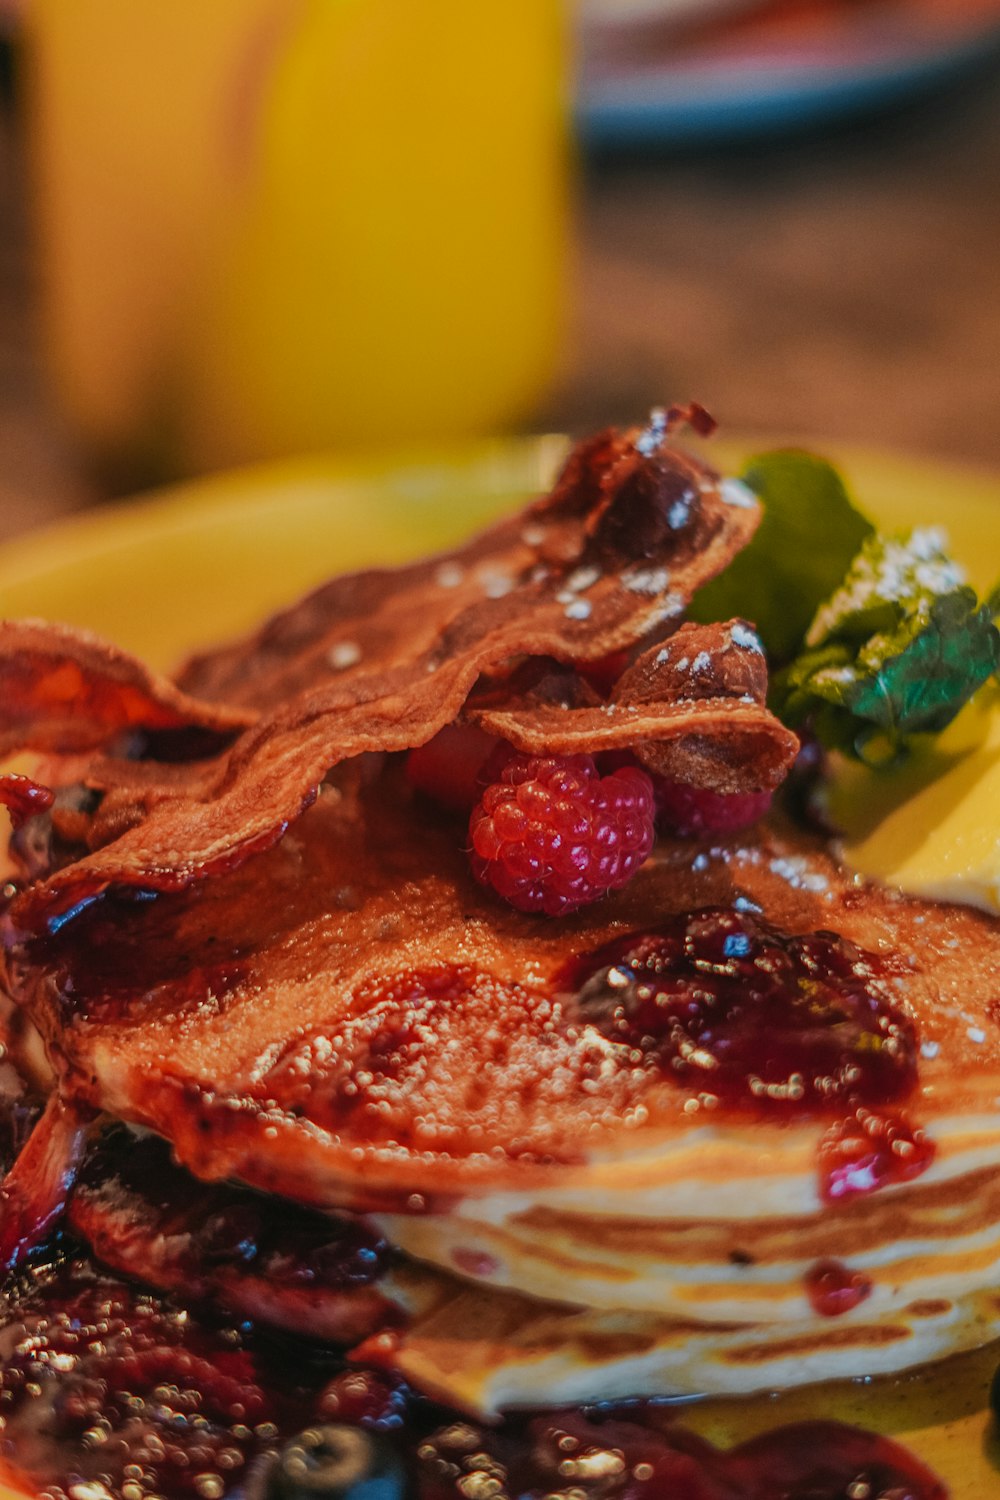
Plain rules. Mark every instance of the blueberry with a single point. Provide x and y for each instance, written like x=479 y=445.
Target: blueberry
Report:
x=337 y=1462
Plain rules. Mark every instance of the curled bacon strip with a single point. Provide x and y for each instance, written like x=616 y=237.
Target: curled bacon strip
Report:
x=627 y=535
x=706 y=726
x=33 y=1194
x=381 y=660
x=65 y=691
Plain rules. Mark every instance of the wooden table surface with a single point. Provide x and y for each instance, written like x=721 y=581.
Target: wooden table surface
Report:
x=844 y=286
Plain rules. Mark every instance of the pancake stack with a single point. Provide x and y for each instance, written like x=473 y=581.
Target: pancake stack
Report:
x=731 y=1128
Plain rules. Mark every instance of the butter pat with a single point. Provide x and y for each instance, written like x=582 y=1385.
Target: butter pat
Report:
x=931 y=827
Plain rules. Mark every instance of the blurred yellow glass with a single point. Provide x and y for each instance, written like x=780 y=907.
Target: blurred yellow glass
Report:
x=271 y=226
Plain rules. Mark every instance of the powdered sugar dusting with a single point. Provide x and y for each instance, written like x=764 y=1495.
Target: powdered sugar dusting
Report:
x=344 y=654
x=652 y=435
x=646 y=580
x=670 y=605
x=735 y=492
x=745 y=636
x=582 y=578
x=449 y=575
x=494 y=583
x=891 y=572
x=796 y=870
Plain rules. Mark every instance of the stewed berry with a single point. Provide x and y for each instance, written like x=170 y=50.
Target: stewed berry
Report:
x=727 y=1004
x=337 y=1462
x=105 y=1384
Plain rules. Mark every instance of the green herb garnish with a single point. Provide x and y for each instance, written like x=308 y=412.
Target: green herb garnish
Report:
x=806 y=541
x=896 y=651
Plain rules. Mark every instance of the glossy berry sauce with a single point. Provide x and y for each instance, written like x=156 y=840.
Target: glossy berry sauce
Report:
x=104 y=1383
x=133 y=1178
x=869 y=1148
x=754 y=1019
x=108 y=1390
x=833 y=1288
x=642 y=1454
x=725 y=1002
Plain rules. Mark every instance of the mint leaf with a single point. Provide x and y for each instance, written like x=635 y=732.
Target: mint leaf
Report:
x=804 y=545
x=897 y=650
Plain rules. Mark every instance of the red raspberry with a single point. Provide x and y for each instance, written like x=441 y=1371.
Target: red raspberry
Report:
x=691 y=812
x=551 y=834
x=447 y=767
x=604 y=672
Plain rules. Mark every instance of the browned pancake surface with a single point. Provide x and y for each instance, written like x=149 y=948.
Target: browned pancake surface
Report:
x=351 y=1017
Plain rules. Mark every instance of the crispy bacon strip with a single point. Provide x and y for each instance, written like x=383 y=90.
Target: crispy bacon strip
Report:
x=33 y=1194
x=381 y=660
x=631 y=529
x=64 y=691
x=702 y=722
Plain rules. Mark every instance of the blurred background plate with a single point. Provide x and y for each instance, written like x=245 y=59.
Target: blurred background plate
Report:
x=197 y=562
x=190 y=564
x=787 y=65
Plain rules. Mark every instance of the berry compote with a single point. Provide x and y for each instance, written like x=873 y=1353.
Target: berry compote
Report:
x=112 y=1392
x=726 y=1002
x=768 y=1023
x=104 y=1384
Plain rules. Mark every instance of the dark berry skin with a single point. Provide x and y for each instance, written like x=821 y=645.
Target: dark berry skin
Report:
x=337 y=1462
x=783 y=1024
x=102 y=1381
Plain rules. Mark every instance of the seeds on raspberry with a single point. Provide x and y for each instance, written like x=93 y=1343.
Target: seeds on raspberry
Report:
x=550 y=834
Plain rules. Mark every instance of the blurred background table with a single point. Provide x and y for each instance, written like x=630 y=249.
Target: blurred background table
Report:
x=843 y=286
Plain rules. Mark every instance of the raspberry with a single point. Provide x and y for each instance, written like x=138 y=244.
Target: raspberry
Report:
x=551 y=834
x=447 y=767
x=604 y=672
x=691 y=812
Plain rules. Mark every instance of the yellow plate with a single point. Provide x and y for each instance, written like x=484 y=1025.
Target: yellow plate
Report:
x=191 y=565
